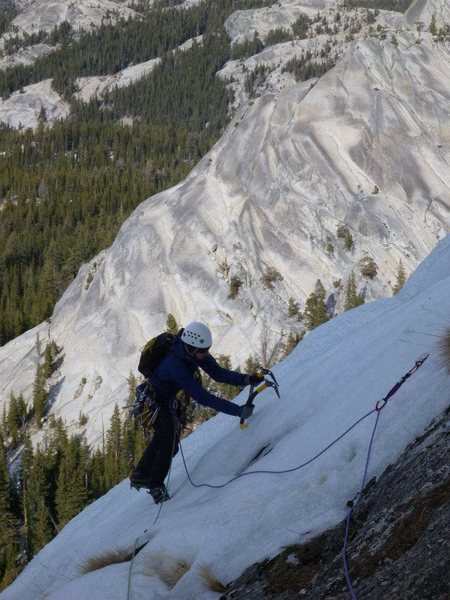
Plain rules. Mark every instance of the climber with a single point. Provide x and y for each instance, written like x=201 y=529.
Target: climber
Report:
x=178 y=370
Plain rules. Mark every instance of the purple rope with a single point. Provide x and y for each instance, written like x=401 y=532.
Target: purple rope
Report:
x=266 y=472
x=349 y=514
x=379 y=407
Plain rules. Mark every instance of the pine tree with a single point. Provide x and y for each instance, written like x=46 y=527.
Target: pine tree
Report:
x=25 y=474
x=41 y=533
x=9 y=536
x=352 y=298
x=50 y=353
x=171 y=324
x=132 y=383
x=400 y=278
x=115 y=469
x=39 y=395
x=72 y=493
x=432 y=28
x=134 y=441
x=368 y=267
x=223 y=389
x=293 y=308
x=38 y=346
x=15 y=418
x=251 y=364
x=4 y=426
x=37 y=521
x=291 y=343
x=97 y=474
x=343 y=232
x=315 y=312
x=55 y=452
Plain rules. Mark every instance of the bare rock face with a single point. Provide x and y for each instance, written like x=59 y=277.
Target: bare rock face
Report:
x=23 y=108
x=421 y=12
x=243 y=24
x=44 y=15
x=399 y=539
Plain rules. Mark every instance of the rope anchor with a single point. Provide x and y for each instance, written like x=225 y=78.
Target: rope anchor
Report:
x=382 y=403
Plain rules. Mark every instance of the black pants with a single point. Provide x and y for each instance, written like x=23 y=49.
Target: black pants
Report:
x=155 y=462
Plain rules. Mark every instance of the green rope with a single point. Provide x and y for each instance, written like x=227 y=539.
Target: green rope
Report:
x=131 y=567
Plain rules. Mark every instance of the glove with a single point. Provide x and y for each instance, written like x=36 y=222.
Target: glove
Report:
x=255 y=378
x=245 y=411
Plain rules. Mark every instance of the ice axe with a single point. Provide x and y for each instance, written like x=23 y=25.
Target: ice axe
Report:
x=267 y=383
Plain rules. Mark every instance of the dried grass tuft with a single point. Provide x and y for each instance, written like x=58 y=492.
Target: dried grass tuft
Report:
x=444 y=348
x=211 y=582
x=110 y=557
x=169 y=570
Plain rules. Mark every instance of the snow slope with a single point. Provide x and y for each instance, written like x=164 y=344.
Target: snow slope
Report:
x=334 y=377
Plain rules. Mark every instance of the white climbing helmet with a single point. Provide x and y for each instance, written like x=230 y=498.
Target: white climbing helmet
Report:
x=198 y=335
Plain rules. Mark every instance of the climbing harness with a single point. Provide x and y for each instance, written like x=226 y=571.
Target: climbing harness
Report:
x=145 y=408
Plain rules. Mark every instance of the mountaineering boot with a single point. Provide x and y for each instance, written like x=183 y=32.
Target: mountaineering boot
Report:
x=159 y=494
x=138 y=481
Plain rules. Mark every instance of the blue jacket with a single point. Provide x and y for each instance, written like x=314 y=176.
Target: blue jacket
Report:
x=176 y=372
